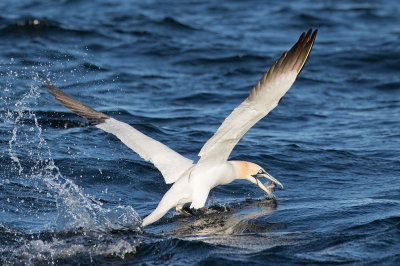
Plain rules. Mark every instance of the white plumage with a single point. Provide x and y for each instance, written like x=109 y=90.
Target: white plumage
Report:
x=170 y=163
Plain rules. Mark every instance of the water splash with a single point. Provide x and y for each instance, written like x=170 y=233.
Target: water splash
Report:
x=57 y=250
x=74 y=208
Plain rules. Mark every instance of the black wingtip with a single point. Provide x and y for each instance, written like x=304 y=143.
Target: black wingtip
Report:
x=46 y=81
x=314 y=35
x=94 y=117
x=308 y=33
x=311 y=34
x=48 y=84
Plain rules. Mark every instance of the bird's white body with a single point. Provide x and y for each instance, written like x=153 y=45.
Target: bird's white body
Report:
x=193 y=182
x=195 y=185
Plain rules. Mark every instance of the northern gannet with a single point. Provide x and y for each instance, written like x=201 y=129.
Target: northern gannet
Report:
x=192 y=182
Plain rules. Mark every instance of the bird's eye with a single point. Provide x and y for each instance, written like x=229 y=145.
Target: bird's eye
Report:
x=261 y=171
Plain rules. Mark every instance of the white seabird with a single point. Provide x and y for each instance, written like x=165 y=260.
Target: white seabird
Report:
x=192 y=182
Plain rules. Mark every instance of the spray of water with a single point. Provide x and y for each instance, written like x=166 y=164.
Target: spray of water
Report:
x=45 y=216
x=33 y=164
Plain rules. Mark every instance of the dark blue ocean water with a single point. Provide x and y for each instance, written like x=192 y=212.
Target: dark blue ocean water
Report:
x=174 y=70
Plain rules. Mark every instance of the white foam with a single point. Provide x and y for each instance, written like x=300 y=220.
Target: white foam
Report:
x=37 y=251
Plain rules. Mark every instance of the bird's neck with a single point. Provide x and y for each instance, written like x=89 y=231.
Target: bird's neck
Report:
x=243 y=169
x=224 y=174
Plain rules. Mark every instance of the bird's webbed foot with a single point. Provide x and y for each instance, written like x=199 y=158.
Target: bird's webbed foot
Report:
x=187 y=211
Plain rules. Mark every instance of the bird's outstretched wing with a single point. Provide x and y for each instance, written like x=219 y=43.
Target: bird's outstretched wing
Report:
x=170 y=163
x=264 y=97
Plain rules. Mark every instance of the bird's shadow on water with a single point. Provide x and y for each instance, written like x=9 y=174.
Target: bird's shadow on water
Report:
x=231 y=219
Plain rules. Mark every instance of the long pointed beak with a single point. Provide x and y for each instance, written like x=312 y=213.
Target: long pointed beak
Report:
x=270 y=177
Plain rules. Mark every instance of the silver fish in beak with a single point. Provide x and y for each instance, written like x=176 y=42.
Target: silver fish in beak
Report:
x=268 y=189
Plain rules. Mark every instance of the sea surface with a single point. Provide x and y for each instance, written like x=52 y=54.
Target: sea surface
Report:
x=73 y=194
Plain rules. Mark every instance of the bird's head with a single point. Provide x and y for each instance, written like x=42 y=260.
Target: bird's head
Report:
x=252 y=172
